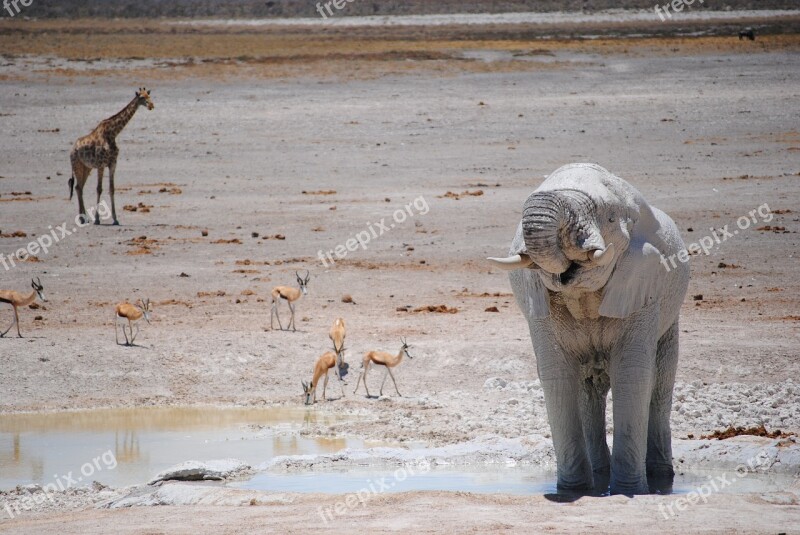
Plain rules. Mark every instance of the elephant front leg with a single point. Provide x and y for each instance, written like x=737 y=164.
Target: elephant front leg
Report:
x=632 y=379
x=559 y=374
x=563 y=412
x=660 y=472
x=593 y=400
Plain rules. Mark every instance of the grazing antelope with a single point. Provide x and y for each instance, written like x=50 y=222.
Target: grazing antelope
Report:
x=337 y=335
x=16 y=300
x=323 y=365
x=380 y=358
x=290 y=295
x=132 y=313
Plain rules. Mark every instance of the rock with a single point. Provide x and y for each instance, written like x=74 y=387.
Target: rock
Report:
x=495 y=383
x=198 y=471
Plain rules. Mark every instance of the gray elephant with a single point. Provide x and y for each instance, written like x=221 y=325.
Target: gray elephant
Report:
x=602 y=308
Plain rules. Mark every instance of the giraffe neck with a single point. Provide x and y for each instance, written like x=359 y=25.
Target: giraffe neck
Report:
x=115 y=123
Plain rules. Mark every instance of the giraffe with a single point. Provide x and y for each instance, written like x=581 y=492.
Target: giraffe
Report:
x=99 y=150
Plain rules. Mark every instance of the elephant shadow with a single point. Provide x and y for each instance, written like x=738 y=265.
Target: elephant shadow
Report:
x=662 y=485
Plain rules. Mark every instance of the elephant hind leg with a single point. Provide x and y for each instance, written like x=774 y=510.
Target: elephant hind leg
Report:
x=659 y=437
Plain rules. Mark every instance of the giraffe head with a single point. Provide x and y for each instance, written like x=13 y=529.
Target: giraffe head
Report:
x=143 y=96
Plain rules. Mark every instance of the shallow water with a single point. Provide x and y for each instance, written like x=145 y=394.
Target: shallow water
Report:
x=493 y=479
x=45 y=448
x=120 y=447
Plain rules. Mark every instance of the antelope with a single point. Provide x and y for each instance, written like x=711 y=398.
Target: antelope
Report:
x=380 y=358
x=323 y=365
x=16 y=300
x=132 y=313
x=337 y=334
x=290 y=295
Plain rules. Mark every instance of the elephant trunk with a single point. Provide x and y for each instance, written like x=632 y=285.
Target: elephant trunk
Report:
x=553 y=222
x=544 y=217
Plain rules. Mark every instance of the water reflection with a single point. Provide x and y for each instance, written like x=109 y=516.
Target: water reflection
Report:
x=42 y=447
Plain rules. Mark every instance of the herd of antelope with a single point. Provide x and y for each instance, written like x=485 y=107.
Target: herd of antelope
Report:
x=132 y=313
x=99 y=151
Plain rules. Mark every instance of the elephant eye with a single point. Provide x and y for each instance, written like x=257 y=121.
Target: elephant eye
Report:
x=611 y=220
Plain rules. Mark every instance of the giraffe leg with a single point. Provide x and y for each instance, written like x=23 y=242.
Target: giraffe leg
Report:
x=80 y=172
x=99 y=193
x=112 y=168
x=81 y=180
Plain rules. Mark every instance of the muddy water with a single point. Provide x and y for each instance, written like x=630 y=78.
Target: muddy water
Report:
x=481 y=480
x=73 y=447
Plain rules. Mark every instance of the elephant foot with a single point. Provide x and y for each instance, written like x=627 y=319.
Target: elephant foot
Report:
x=660 y=470
x=602 y=479
x=629 y=488
x=660 y=479
x=580 y=485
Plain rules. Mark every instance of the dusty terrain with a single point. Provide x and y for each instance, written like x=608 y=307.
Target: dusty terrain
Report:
x=706 y=128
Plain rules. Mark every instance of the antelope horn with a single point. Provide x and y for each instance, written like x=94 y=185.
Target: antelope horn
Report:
x=606 y=256
x=518 y=261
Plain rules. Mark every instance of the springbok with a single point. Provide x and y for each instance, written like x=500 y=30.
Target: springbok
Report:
x=132 y=313
x=16 y=300
x=290 y=295
x=380 y=358
x=322 y=366
x=337 y=334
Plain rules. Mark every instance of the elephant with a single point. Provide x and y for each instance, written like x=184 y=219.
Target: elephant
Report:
x=588 y=272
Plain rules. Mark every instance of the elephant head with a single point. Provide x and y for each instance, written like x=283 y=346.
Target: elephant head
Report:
x=580 y=236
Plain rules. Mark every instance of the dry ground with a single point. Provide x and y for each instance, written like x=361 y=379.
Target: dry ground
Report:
x=706 y=128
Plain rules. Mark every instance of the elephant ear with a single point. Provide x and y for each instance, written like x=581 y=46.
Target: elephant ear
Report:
x=529 y=290
x=637 y=281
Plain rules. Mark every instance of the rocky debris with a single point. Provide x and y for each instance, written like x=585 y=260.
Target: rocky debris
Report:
x=184 y=494
x=756 y=431
x=201 y=471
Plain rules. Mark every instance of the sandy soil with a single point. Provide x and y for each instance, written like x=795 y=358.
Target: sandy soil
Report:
x=706 y=135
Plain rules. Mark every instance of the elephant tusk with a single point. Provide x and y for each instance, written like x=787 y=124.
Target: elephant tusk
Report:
x=606 y=256
x=519 y=261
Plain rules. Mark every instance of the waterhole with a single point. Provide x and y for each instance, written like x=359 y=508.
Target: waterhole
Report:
x=73 y=447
